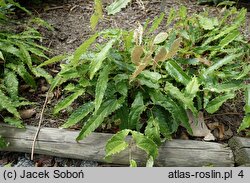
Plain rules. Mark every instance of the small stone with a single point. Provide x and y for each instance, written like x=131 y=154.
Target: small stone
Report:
x=23 y=162
x=86 y=163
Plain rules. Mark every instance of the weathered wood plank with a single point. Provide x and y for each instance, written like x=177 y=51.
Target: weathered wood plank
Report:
x=241 y=150
x=61 y=142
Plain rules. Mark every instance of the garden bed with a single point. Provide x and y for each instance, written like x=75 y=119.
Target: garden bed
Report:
x=72 y=27
x=71 y=23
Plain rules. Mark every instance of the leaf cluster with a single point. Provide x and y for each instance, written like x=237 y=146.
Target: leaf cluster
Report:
x=19 y=52
x=148 y=82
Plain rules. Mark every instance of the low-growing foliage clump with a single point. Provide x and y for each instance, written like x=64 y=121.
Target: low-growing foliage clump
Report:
x=19 y=52
x=148 y=83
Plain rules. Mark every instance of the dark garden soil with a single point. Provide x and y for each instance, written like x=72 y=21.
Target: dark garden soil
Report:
x=70 y=20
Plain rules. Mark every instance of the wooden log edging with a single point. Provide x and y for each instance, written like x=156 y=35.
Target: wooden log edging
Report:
x=61 y=142
x=241 y=150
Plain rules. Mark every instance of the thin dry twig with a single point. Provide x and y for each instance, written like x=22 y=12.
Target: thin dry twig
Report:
x=54 y=8
x=39 y=126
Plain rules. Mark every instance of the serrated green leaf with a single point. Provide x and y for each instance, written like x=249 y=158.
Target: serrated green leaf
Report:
x=229 y=38
x=171 y=16
x=97 y=14
x=208 y=23
x=238 y=21
x=246 y=120
x=8 y=165
x=117 y=143
x=23 y=103
x=1 y=55
x=22 y=71
x=122 y=87
x=129 y=39
x=178 y=112
x=40 y=72
x=224 y=87
x=164 y=120
x=122 y=115
x=105 y=110
x=14 y=122
x=144 y=81
x=42 y=23
x=11 y=84
x=153 y=76
x=37 y=52
x=145 y=144
x=78 y=114
x=150 y=162
x=68 y=72
x=245 y=123
x=156 y=22
x=10 y=49
x=101 y=86
x=245 y=72
x=247 y=99
x=70 y=87
x=116 y=6
x=192 y=87
x=82 y=49
x=96 y=64
x=94 y=19
x=135 y=112
x=183 y=12
x=67 y=101
x=176 y=93
x=8 y=105
x=20 y=7
x=220 y=63
x=26 y=58
x=132 y=163
x=226 y=3
x=215 y=104
x=177 y=73
x=84 y=82
x=56 y=82
x=53 y=60
x=152 y=130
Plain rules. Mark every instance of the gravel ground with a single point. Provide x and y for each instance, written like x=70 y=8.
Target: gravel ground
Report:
x=23 y=160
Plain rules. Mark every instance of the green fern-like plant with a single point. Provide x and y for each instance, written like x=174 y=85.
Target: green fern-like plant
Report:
x=148 y=83
x=19 y=52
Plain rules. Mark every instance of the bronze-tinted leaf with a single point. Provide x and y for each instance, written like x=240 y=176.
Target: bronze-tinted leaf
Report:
x=204 y=61
x=174 y=48
x=142 y=66
x=160 y=56
x=136 y=55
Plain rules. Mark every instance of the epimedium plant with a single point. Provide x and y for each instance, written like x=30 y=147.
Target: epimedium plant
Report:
x=149 y=83
x=18 y=54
